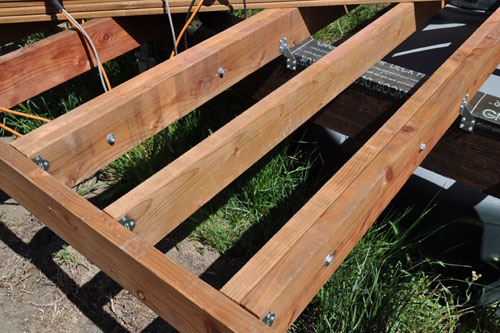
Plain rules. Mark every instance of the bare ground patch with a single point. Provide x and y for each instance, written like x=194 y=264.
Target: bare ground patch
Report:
x=47 y=286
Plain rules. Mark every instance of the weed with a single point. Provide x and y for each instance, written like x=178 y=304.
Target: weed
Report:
x=65 y=256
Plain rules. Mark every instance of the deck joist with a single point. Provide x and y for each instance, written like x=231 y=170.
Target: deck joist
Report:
x=283 y=277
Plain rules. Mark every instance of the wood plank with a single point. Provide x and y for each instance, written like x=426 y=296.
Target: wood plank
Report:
x=75 y=143
x=178 y=296
x=12 y=12
x=36 y=68
x=285 y=274
x=460 y=155
x=197 y=176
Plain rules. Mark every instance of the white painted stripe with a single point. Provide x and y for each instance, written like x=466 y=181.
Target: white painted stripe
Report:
x=442 y=26
x=434 y=178
x=422 y=49
x=491 y=86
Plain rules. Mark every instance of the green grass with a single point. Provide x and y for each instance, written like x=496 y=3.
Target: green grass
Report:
x=385 y=285
x=254 y=204
x=354 y=21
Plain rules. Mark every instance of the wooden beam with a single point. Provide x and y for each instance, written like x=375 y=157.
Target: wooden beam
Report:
x=460 y=155
x=13 y=11
x=36 y=68
x=197 y=176
x=75 y=143
x=286 y=273
x=178 y=296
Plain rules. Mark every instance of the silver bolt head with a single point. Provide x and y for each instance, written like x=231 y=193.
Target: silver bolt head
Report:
x=111 y=139
x=221 y=72
x=423 y=146
x=329 y=259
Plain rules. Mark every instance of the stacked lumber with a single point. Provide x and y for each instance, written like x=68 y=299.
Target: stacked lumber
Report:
x=15 y=11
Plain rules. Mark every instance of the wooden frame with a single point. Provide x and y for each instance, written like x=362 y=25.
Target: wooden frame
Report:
x=15 y=11
x=281 y=279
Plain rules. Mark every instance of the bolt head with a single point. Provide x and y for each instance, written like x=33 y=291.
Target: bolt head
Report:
x=221 y=72
x=329 y=259
x=111 y=139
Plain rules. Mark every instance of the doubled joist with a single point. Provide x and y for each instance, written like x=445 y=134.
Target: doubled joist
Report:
x=75 y=143
x=33 y=69
x=165 y=200
x=286 y=273
x=31 y=11
x=174 y=293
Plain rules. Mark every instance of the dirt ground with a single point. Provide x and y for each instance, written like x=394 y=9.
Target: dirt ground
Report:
x=47 y=287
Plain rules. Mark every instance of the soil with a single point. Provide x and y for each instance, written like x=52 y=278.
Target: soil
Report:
x=46 y=286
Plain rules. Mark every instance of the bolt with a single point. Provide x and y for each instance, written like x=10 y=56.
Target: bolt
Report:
x=423 y=146
x=221 y=72
x=328 y=259
x=111 y=139
x=269 y=319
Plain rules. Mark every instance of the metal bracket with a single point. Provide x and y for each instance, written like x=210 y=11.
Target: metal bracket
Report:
x=127 y=222
x=291 y=62
x=44 y=164
x=467 y=122
x=269 y=319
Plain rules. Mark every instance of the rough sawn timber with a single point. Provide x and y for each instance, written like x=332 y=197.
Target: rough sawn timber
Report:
x=288 y=271
x=202 y=172
x=75 y=143
x=177 y=295
x=33 y=69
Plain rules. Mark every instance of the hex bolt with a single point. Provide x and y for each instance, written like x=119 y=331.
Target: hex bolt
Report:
x=328 y=259
x=111 y=139
x=269 y=319
x=221 y=72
